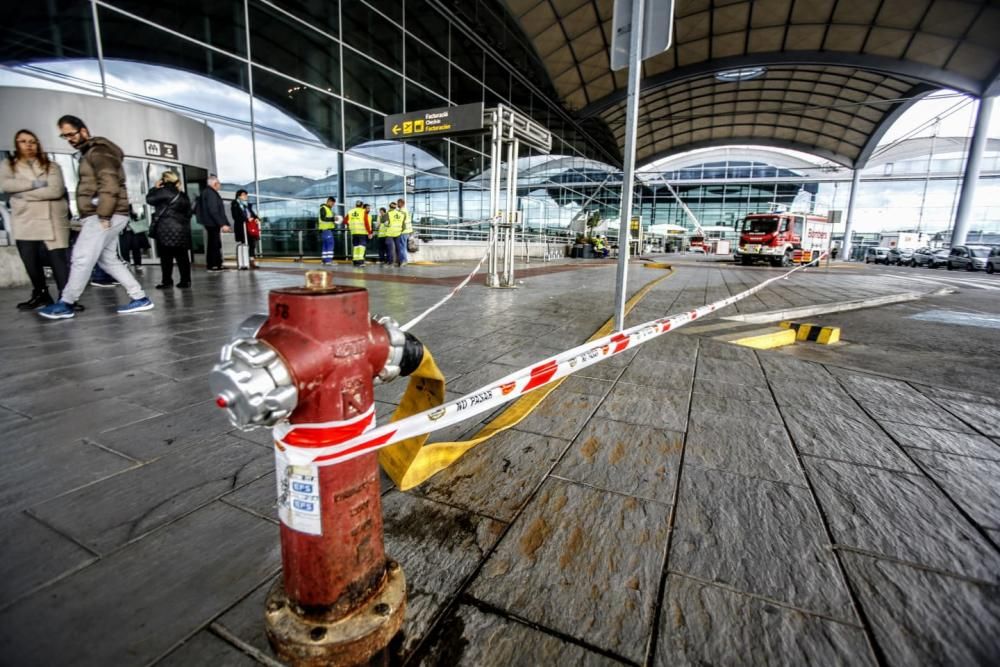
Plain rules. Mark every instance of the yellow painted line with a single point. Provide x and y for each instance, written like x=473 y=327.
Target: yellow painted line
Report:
x=656 y=265
x=761 y=339
x=813 y=332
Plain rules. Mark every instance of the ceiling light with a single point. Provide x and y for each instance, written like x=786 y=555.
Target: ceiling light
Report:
x=742 y=74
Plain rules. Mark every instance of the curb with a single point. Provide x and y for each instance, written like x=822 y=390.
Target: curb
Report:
x=823 y=309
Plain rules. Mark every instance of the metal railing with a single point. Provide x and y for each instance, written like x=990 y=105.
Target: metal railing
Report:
x=305 y=243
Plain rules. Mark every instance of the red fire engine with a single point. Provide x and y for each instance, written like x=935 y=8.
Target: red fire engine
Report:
x=783 y=238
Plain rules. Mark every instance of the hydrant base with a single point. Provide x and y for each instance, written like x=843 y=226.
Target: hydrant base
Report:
x=351 y=640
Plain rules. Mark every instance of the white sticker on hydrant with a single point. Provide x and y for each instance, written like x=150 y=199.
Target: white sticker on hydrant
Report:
x=298 y=496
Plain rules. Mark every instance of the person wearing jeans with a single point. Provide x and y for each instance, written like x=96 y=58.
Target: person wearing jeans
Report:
x=102 y=199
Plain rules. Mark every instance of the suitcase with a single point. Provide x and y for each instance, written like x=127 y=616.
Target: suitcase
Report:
x=242 y=257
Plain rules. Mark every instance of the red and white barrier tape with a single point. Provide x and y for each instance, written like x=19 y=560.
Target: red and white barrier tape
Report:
x=416 y=320
x=496 y=393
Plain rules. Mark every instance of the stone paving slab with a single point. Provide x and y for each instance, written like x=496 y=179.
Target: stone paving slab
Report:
x=950 y=442
x=514 y=461
x=901 y=516
x=702 y=624
x=925 y=618
x=971 y=483
x=475 y=638
x=583 y=562
x=81 y=421
x=37 y=555
x=110 y=513
x=28 y=477
x=758 y=537
x=748 y=447
x=895 y=401
x=629 y=459
x=152 y=438
x=857 y=439
x=154 y=594
x=636 y=404
x=207 y=649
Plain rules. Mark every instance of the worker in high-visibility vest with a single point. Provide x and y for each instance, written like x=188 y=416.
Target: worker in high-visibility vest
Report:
x=404 y=236
x=397 y=219
x=326 y=224
x=382 y=234
x=361 y=230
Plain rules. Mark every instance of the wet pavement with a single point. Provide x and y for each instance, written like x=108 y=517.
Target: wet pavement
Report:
x=689 y=502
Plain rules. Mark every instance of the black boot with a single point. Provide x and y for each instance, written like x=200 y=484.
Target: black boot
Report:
x=37 y=300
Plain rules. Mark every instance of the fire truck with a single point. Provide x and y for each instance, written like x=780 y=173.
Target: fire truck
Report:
x=783 y=238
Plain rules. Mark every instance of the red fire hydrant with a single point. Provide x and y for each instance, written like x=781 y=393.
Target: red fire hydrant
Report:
x=310 y=366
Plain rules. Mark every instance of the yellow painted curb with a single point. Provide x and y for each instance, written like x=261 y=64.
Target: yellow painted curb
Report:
x=813 y=332
x=761 y=339
x=657 y=265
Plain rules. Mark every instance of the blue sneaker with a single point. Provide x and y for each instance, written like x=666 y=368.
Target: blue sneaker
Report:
x=136 y=306
x=60 y=310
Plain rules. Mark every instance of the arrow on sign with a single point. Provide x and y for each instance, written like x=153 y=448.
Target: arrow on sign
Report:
x=395 y=130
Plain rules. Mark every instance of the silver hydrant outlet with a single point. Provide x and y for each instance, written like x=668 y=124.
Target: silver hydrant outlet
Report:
x=252 y=383
x=397 y=344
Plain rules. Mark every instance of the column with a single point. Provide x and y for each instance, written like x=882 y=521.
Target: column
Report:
x=971 y=178
x=845 y=248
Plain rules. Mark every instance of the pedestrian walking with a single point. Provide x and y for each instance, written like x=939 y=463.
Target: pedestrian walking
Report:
x=326 y=224
x=212 y=216
x=102 y=200
x=246 y=227
x=361 y=230
x=171 y=229
x=39 y=215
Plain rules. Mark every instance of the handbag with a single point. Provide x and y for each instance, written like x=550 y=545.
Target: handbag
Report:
x=253 y=228
x=412 y=244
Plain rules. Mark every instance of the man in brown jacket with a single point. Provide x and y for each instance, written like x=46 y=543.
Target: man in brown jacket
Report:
x=102 y=200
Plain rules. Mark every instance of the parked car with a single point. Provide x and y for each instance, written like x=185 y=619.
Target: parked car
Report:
x=900 y=256
x=922 y=256
x=968 y=257
x=939 y=258
x=877 y=255
x=993 y=261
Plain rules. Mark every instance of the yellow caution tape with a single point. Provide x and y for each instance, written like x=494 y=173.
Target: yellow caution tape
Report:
x=411 y=462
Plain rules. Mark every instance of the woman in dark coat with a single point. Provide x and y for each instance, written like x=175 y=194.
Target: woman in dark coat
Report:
x=171 y=229
x=242 y=210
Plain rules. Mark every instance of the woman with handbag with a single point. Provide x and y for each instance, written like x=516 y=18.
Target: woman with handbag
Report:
x=39 y=215
x=171 y=229
x=246 y=227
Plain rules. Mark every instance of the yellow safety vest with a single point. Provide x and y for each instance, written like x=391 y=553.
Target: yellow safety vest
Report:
x=383 y=226
x=326 y=211
x=396 y=221
x=356 y=221
x=408 y=222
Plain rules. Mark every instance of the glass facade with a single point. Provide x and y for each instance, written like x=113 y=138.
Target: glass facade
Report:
x=297 y=90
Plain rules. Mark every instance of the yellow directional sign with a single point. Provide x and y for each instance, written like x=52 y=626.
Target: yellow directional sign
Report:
x=461 y=119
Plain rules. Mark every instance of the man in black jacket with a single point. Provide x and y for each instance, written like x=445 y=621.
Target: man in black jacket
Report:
x=212 y=216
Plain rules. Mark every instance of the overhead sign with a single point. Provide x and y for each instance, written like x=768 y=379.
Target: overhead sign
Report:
x=657 y=30
x=162 y=149
x=441 y=121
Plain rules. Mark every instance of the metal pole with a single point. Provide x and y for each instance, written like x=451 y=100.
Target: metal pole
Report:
x=492 y=279
x=971 y=179
x=301 y=255
x=845 y=249
x=508 y=250
x=631 y=119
